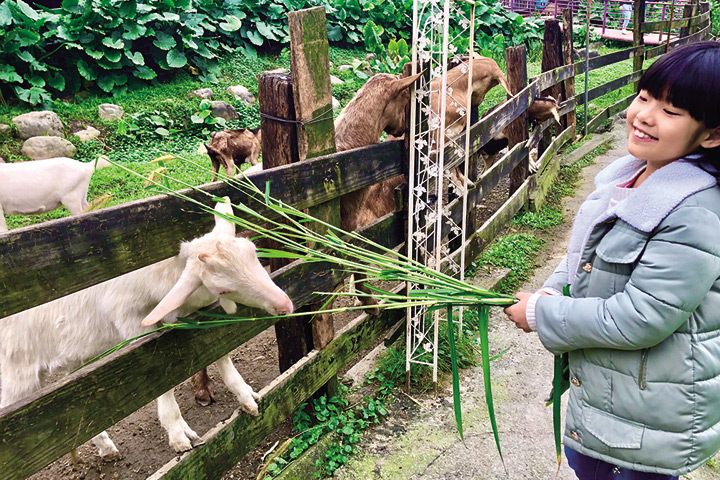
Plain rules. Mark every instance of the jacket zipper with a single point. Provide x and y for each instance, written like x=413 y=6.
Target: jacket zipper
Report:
x=643 y=367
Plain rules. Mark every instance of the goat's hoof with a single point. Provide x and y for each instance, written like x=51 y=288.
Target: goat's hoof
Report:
x=205 y=397
x=250 y=408
x=111 y=457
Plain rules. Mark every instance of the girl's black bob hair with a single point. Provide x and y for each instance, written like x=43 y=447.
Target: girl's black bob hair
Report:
x=689 y=78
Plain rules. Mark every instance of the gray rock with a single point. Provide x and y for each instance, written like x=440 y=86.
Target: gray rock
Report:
x=35 y=124
x=242 y=93
x=5 y=131
x=223 y=110
x=202 y=93
x=335 y=80
x=110 y=112
x=90 y=133
x=277 y=70
x=40 y=148
x=343 y=68
x=335 y=103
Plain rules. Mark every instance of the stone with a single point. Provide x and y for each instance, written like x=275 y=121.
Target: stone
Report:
x=40 y=148
x=5 y=131
x=224 y=110
x=110 y=112
x=242 y=93
x=343 y=68
x=35 y=124
x=89 y=133
x=202 y=93
x=335 y=104
x=335 y=80
x=277 y=70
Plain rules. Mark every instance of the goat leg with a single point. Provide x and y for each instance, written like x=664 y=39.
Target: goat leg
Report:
x=202 y=386
x=366 y=300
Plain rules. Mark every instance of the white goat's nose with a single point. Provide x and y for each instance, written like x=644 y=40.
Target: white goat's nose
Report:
x=285 y=308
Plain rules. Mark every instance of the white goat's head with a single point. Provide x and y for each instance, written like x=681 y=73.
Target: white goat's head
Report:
x=226 y=266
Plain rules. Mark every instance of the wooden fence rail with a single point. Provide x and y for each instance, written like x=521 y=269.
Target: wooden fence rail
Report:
x=53 y=259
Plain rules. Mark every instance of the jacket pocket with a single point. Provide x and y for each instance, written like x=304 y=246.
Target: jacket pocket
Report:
x=613 y=431
x=617 y=254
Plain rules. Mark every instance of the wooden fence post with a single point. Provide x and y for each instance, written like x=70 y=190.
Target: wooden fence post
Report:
x=309 y=67
x=552 y=57
x=517 y=131
x=567 y=40
x=279 y=146
x=638 y=39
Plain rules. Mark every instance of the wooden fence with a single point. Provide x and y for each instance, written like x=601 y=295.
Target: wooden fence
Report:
x=47 y=261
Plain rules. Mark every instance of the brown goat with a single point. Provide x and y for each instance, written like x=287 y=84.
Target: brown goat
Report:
x=230 y=148
x=379 y=106
x=542 y=108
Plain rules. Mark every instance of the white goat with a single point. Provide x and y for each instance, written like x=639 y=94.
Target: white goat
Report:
x=27 y=188
x=65 y=332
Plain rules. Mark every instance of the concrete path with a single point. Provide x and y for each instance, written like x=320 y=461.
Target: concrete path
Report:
x=422 y=443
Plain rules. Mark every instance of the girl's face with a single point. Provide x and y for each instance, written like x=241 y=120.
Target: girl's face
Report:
x=659 y=132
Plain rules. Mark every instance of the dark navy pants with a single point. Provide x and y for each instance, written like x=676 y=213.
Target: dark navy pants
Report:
x=587 y=468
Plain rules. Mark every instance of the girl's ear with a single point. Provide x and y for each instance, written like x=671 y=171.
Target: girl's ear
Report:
x=713 y=140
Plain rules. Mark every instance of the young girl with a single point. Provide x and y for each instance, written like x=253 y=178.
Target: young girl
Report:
x=642 y=324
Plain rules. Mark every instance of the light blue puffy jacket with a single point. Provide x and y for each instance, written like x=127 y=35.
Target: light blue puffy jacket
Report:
x=643 y=325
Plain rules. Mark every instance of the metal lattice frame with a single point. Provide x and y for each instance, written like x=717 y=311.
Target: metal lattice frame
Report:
x=429 y=182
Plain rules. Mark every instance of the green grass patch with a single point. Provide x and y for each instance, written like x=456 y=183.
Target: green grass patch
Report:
x=544 y=220
x=516 y=252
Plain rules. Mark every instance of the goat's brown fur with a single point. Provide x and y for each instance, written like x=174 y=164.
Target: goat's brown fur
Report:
x=230 y=148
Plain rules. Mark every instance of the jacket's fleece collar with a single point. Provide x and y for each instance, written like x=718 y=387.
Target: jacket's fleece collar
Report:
x=648 y=205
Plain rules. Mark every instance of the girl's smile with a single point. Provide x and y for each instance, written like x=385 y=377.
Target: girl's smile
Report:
x=659 y=132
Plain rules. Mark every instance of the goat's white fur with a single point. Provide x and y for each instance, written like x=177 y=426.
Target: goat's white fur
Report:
x=65 y=332
x=40 y=186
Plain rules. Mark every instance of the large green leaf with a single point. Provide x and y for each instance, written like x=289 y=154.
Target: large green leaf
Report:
x=6 y=17
x=57 y=82
x=265 y=30
x=163 y=41
x=8 y=74
x=96 y=54
x=33 y=95
x=176 y=59
x=145 y=73
x=231 y=23
x=72 y=6
x=88 y=72
x=27 y=37
x=106 y=83
x=171 y=17
x=255 y=37
x=112 y=43
x=203 y=50
x=136 y=57
x=113 y=55
x=133 y=31
x=27 y=10
x=128 y=9
x=335 y=33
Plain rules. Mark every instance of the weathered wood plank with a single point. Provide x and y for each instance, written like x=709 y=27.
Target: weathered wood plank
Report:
x=517 y=131
x=695 y=37
x=638 y=38
x=544 y=182
x=52 y=259
x=610 y=111
x=559 y=141
x=649 y=27
x=608 y=87
x=78 y=407
x=552 y=77
x=609 y=59
x=568 y=59
x=280 y=400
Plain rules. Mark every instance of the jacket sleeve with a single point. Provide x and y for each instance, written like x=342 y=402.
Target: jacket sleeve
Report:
x=559 y=277
x=680 y=264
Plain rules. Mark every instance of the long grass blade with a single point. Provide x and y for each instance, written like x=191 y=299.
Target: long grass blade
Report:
x=483 y=321
x=455 y=373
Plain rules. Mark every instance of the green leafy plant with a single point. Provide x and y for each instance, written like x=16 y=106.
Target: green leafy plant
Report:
x=206 y=120
x=388 y=59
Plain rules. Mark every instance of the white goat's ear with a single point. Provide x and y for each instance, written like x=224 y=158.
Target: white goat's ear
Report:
x=556 y=114
x=403 y=83
x=174 y=299
x=222 y=225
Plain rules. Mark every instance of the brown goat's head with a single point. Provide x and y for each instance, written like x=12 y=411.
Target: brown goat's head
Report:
x=544 y=108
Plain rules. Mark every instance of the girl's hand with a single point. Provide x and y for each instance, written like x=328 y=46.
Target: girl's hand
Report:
x=516 y=313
